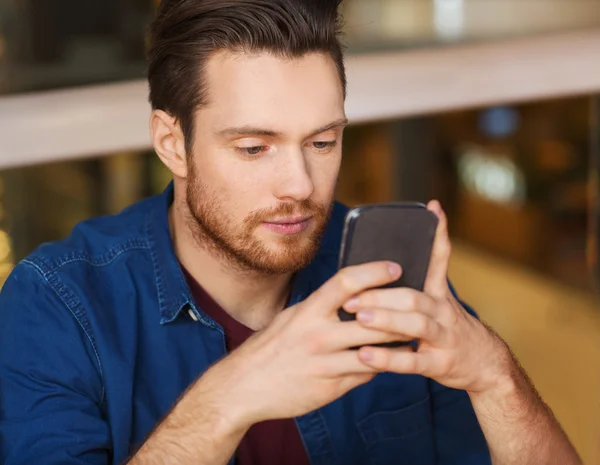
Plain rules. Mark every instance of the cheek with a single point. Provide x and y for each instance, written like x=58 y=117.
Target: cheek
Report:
x=240 y=188
x=227 y=177
x=245 y=184
x=324 y=172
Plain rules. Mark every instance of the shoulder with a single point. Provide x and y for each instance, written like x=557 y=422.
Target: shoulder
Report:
x=96 y=242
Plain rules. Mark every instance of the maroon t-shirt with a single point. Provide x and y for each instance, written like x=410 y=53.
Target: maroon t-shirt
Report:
x=268 y=443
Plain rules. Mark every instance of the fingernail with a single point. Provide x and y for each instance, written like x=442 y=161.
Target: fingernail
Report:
x=351 y=304
x=365 y=316
x=395 y=270
x=366 y=355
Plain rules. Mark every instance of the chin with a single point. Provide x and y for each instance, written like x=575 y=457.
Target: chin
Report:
x=286 y=258
x=277 y=267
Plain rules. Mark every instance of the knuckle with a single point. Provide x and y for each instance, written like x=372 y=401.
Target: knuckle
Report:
x=412 y=365
x=385 y=360
x=346 y=281
x=422 y=324
x=413 y=300
x=409 y=298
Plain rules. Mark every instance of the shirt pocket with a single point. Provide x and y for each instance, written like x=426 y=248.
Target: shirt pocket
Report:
x=400 y=437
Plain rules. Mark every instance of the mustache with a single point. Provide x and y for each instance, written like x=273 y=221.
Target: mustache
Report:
x=305 y=207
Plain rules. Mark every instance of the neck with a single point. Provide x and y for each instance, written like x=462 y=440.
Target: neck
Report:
x=250 y=297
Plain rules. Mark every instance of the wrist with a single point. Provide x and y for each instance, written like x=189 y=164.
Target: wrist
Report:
x=501 y=387
x=504 y=384
x=225 y=389
x=499 y=376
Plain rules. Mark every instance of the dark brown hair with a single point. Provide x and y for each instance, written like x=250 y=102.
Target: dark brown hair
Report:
x=186 y=33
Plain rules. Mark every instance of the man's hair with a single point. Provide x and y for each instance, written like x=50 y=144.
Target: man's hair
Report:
x=186 y=33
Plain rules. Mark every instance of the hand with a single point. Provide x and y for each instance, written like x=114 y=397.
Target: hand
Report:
x=301 y=361
x=455 y=349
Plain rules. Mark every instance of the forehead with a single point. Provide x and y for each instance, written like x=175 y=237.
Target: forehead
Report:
x=288 y=95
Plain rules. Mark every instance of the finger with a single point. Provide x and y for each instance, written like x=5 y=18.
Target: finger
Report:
x=350 y=281
x=344 y=363
x=413 y=325
x=401 y=360
x=436 y=282
x=345 y=335
x=402 y=299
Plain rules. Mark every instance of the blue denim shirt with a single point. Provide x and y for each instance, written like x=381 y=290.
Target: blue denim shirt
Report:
x=97 y=342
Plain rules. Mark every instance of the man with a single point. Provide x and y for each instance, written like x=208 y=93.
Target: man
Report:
x=200 y=327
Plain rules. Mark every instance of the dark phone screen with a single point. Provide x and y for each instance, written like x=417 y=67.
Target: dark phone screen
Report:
x=399 y=232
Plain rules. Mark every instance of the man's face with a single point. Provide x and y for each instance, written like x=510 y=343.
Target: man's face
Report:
x=265 y=159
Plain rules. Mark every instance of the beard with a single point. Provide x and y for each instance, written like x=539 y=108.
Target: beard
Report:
x=240 y=246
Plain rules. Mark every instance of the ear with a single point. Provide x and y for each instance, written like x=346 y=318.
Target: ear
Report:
x=169 y=143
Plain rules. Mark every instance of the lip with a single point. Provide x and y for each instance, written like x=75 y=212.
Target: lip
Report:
x=290 y=220
x=288 y=226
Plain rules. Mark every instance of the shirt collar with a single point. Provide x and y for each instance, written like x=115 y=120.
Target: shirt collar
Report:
x=173 y=292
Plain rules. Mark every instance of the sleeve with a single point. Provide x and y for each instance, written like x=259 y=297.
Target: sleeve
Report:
x=459 y=438
x=51 y=390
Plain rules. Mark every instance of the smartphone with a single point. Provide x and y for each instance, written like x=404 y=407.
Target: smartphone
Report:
x=402 y=232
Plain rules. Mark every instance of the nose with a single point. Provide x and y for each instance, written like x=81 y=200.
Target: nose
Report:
x=293 y=179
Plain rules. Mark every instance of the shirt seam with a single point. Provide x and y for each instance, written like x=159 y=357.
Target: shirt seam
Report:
x=77 y=314
x=99 y=261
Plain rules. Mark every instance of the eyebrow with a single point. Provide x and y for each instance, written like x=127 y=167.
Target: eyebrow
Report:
x=256 y=131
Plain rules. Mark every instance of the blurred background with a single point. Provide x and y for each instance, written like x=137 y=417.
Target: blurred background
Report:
x=492 y=106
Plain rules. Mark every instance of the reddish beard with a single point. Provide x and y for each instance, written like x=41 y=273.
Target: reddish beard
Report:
x=239 y=245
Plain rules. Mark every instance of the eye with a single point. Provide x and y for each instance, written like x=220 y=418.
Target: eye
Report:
x=252 y=151
x=323 y=146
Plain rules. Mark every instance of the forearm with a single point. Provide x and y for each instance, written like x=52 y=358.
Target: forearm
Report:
x=201 y=430
x=518 y=426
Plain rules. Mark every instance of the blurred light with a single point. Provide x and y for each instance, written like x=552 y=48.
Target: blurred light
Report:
x=499 y=122
x=5 y=270
x=492 y=178
x=5 y=247
x=449 y=18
